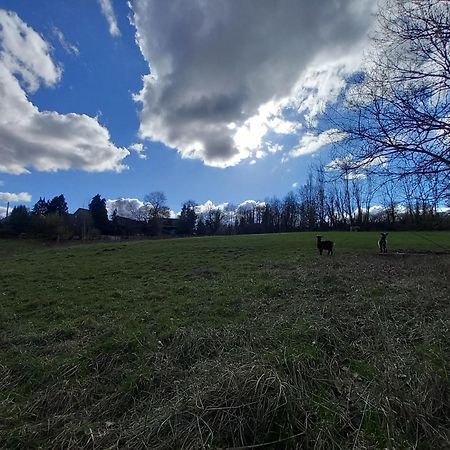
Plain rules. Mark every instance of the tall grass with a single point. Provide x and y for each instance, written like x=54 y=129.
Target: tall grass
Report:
x=230 y=342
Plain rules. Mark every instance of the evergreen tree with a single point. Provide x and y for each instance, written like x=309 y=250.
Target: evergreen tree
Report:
x=58 y=205
x=201 y=227
x=40 y=208
x=188 y=219
x=19 y=219
x=115 y=222
x=97 y=207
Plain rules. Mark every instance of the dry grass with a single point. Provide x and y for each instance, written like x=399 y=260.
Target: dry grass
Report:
x=349 y=352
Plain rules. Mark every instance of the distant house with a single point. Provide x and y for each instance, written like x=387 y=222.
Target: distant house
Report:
x=129 y=227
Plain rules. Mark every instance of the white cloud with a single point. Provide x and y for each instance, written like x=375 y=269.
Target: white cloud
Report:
x=228 y=209
x=126 y=207
x=295 y=185
x=209 y=206
x=110 y=16
x=250 y=204
x=249 y=136
x=376 y=210
x=323 y=82
x=355 y=176
x=24 y=52
x=221 y=80
x=132 y=208
x=71 y=49
x=274 y=148
x=349 y=163
x=139 y=149
x=45 y=140
x=2 y=211
x=10 y=197
x=311 y=143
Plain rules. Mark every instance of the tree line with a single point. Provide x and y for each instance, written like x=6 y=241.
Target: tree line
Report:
x=332 y=198
x=334 y=201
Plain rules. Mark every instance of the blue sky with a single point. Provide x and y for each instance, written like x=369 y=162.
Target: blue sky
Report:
x=226 y=115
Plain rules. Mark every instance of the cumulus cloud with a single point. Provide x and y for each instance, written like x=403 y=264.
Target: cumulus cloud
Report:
x=3 y=211
x=24 y=52
x=11 y=197
x=224 y=74
x=110 y=16
x=209 y=205
x=71 y=49
x=227 y=208
x=132 y=208
x=311 y=143
x=126 y=207
x=250 y=205
x=45 y=140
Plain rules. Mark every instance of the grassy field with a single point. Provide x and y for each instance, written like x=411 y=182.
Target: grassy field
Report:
x=226 y=342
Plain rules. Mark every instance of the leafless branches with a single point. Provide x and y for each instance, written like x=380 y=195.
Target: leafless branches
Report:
x=400 y=108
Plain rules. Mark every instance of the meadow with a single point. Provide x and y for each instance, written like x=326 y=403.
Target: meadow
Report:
x=226 y=342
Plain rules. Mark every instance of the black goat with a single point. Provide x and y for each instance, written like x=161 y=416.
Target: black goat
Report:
x=324 y=245
x=382 y=243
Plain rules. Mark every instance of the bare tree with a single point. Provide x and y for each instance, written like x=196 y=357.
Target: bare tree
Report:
x=369 y=191
x=357 y=196
x=289 y=212
x=397 y=116
x=214 y=220
x=390 y=202
x=157 y=208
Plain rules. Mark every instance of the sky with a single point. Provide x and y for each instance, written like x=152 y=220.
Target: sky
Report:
x=208 y=100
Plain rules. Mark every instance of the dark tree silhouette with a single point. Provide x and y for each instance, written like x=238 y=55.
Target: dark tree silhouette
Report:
x=99 y=213
x=200 y=229
x=187 y=219
x=40 y=208
x=19 y=220
x=158 y=208
x=58 y=205
x=157 y=211
x=115 y=228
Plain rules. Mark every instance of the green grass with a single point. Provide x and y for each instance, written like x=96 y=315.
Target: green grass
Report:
x=226 y=342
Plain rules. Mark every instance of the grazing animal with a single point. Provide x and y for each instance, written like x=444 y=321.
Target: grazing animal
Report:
x=382 y=242
x=324 y=245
